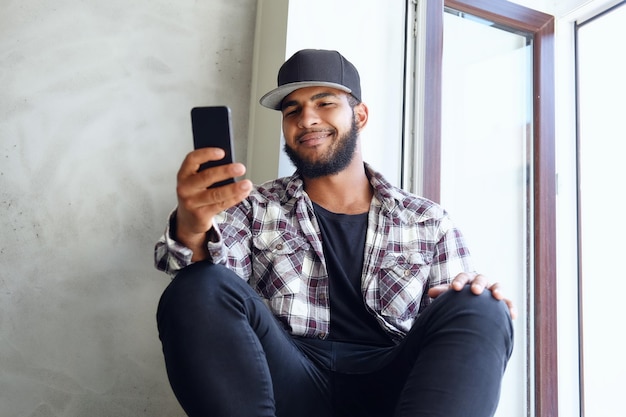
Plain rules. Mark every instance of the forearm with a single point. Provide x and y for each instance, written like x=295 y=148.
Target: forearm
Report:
x=196 y=242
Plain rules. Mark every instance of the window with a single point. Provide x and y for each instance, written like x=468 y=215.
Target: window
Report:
x=601 y=135
x=520 y=166
x=486 y=153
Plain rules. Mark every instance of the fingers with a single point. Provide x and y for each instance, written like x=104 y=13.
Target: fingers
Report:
x=478 y=284
x=512 y=309
x=194 y=159
x=437 y=290
x=457 y=284
x=198 y=204
x=204 y=203
x=193 y=192
x=189 y=180
x=220 y=198
x=496 y=291
x=461 y=280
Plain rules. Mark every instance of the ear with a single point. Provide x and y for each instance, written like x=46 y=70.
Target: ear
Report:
x=361 y=113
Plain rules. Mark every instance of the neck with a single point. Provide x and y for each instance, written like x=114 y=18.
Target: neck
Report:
x=347 y=192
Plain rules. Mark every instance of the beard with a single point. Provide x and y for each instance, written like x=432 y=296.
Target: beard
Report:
x=332 y=162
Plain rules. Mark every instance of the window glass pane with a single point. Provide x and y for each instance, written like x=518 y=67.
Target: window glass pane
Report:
x=602 y=175
x=485 y=184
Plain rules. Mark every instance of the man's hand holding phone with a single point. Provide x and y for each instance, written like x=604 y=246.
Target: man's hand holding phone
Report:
x=205 y=184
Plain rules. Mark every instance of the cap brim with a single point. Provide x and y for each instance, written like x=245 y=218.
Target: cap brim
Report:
x=274 y=98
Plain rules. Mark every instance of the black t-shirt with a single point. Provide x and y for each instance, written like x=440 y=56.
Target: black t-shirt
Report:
x=343 y=240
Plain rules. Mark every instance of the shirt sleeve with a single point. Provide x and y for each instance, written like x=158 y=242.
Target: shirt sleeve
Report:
x=231 y=244
x=171 y=256
x=451 y=256
x=228 y=243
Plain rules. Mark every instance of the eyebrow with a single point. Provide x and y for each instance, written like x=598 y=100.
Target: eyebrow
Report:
x=318 y=96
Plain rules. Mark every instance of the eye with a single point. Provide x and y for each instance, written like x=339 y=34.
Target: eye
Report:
x=289 y=112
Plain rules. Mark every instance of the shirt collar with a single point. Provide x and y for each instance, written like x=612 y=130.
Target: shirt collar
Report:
x=388 y=195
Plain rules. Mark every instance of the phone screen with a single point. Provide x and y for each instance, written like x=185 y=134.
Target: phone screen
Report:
x=212 y=129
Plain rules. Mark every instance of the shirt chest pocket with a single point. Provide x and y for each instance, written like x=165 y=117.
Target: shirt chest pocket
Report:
x=401 y=279
x=277 y=263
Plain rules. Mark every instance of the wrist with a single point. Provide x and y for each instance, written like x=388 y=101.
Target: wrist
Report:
x=195 y=241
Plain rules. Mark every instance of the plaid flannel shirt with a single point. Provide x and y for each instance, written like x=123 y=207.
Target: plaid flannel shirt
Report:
x=272 y=240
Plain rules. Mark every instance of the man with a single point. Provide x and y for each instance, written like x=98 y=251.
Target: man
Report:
x=324 y=293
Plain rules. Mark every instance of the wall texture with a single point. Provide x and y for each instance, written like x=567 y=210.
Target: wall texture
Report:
x=94 y=122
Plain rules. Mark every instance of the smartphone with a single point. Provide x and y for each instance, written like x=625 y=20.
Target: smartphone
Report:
x=212 y=128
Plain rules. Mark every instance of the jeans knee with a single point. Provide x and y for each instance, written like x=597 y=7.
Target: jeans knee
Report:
x=483 y=305
x=196 y=289
x=203 y=280
x=492 y=316
x=479 y=311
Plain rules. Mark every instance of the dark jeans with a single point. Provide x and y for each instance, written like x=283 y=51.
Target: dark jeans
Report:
x=226 y=355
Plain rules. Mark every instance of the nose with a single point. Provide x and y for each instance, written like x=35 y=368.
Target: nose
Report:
x=308 y=117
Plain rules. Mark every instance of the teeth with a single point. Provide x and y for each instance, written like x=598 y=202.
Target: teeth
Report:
x=312 y=136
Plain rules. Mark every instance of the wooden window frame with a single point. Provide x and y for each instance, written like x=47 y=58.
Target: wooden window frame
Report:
x=540 y=27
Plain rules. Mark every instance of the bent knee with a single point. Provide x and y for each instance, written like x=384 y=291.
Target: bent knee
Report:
x=198 y=284
x=484 y=308
x=203 y=278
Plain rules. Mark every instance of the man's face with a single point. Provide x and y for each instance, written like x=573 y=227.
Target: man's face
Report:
x=320 y=129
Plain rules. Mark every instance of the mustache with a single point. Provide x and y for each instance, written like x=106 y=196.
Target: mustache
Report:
x=309 y=131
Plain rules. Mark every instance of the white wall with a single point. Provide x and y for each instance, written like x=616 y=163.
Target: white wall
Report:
x=94 y=122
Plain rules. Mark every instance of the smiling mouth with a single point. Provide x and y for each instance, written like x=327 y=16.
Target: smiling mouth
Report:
x=311 y=137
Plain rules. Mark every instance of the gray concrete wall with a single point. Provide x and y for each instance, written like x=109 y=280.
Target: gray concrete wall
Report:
x=94 y=122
